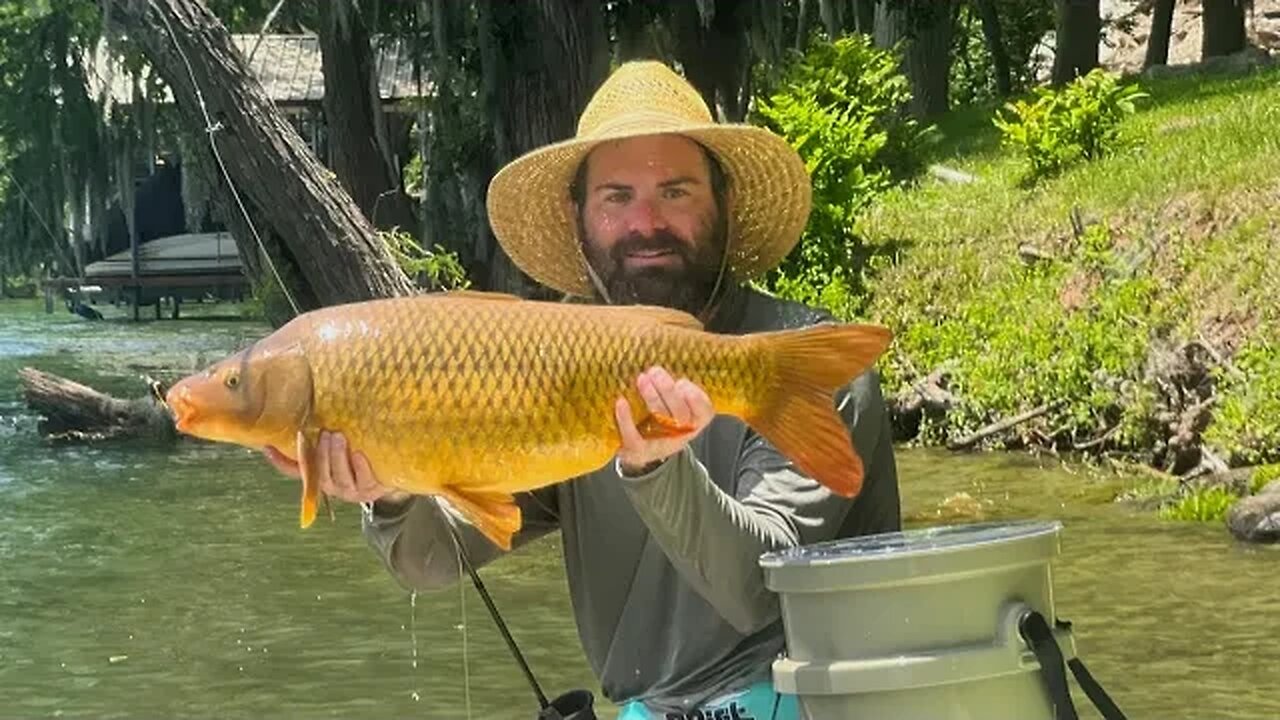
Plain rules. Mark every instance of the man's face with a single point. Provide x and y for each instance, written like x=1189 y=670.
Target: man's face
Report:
x=649 y=222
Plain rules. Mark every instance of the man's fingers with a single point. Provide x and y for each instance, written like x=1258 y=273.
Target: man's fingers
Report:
x=340 y=467
x=321 y=471
x=658 y=390
x=367 y=486
x=626 y=427
x=701 y=411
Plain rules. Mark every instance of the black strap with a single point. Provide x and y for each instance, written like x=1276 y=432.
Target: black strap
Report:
x=1035 y=631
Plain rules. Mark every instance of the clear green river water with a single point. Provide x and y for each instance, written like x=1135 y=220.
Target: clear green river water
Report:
x=145 y=580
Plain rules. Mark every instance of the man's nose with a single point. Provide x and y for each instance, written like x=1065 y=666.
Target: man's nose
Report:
x=644 y=217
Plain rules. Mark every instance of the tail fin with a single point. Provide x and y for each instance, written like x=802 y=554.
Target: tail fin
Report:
x=797 y=412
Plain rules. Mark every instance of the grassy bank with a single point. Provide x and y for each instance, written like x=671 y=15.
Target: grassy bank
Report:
x=1132 y=297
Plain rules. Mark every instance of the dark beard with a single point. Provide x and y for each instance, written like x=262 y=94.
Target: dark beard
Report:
x=687 y=287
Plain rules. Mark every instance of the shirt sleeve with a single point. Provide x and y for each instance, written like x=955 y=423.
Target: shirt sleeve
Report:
x=418 y=549
x=715 y=538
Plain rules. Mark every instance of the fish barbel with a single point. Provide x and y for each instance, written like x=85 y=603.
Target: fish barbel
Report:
x=474 y=396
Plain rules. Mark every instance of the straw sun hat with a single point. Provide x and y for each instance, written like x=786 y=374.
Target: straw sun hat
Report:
x=769 y=193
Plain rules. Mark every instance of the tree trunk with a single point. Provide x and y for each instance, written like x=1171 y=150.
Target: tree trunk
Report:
x=991 y=31
x=925 y=28
x=352 y=118
x=1224 y=32
x=339 y=257
x=544 y=60
x=715 y=55
x=1079 y=27
x=802 y=26
x=72 y=412
x=830 y=13
x=1161 y=30
x=864 y=16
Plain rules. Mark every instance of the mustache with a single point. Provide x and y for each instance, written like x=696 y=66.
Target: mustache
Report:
x=659 y=240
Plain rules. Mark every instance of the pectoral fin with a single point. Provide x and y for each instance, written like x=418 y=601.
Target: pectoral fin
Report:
x=310 y=483
x=657 y=425
x=495 y=515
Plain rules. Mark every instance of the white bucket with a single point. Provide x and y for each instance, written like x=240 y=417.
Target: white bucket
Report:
x=917 y=625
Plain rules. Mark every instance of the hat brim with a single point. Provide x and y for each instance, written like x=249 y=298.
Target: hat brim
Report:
x=530 y=209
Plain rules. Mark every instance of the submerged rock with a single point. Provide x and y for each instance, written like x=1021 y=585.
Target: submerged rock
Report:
x=1257 y=518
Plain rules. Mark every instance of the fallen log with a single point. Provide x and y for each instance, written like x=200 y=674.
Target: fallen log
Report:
x=74 y=412
x=1000 y=426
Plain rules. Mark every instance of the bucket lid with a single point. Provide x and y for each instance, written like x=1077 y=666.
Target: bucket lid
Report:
x=918 y=541
x=989 y=542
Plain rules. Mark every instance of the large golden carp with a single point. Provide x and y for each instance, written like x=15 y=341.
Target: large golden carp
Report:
x=474 y=396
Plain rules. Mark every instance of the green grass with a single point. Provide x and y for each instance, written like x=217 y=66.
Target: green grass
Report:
x=1185 y=221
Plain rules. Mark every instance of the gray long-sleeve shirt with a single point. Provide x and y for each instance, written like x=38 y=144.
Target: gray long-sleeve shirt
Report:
x=669 y=600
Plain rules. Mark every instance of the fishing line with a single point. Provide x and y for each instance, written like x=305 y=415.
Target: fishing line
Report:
x=462 y=603
x=210 y=128
x=493 y=609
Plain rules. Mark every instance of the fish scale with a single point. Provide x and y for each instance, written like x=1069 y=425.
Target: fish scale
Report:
x=475 y=396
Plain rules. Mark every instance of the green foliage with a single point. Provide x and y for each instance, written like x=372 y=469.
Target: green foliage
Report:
x=1022 y=26
x=437 y=269
x=1074 y=331
x=1209 y=504
x=842 y=106
x=1247 y=421
x=1263 y=476
x=1080 y=121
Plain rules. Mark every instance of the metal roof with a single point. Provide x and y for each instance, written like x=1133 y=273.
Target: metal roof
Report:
x=288 y=66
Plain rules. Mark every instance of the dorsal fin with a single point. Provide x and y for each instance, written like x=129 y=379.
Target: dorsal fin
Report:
x=659 y=314
x=480 y=295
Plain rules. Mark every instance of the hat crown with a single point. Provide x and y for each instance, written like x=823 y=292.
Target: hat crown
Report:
x=642 y=91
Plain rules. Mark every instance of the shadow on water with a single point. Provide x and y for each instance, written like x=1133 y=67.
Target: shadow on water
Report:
x=175 y=582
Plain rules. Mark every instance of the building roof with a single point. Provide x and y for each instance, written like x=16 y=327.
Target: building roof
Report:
x=288 y=66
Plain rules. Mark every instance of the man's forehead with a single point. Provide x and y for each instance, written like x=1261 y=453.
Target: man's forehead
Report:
x=654 y=154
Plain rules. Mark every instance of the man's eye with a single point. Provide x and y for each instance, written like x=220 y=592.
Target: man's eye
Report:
x=617 y=197
x=676 y=192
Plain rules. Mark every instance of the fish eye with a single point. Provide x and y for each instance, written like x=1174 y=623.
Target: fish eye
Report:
x=232 y=380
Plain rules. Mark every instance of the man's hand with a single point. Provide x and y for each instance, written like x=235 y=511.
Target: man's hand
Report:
x=683 y=401
x=341 y=474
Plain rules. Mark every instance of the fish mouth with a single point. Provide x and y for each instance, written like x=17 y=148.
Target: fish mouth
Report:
x=178 y=400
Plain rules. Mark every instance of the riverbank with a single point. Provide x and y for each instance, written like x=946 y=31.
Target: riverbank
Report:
x=1126 y=304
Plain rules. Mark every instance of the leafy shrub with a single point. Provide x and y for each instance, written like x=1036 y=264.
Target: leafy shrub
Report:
x=1080 y=121
x=842 y=106
x=1247 y=421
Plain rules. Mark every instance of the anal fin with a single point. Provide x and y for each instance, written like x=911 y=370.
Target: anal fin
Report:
x=495 y=515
